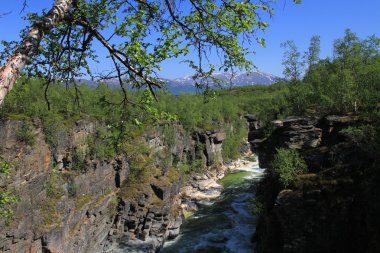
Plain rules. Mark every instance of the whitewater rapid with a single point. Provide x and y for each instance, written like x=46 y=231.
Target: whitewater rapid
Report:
x=224 y=224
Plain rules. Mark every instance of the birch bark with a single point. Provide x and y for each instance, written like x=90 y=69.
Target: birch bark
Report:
x=28 y=47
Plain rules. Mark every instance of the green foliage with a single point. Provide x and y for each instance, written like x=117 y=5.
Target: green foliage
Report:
x=53 y=186
x=365 y=135
x=287 y=165
x=170 y=134
x=49 y=214
x=78 y=158
x=81 y=201
x=113 y=206
x=141 y=164
x=312 y=55
x=54 y=191
x=235 y=134
x=25 y=134
x=73 y=189
x=54 y=130
x=6 y=198
x=145 y=34
x=5 y=166
x=348 y=83
x=156 y=115
x=292 y=62
x=188 y=168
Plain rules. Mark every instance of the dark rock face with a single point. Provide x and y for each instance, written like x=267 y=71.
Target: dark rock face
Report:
x=78 y=209
x=142 y=226
x=205 y=146
x=49 y=217
x=295 y=133
x=211 y=146
x=329 y=210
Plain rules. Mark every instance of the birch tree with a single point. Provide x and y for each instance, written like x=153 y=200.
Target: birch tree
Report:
x=23 y=54
x=138 y=36
x=293 y=65
x=311 y=56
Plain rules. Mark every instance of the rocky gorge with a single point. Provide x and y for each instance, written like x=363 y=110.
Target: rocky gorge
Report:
x=74 y=203
x=333 y=207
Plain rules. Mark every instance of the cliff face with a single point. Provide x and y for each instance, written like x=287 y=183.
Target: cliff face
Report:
x=333 y=208
x=90 y=206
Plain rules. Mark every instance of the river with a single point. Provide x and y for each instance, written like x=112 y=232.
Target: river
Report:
x=224 y=224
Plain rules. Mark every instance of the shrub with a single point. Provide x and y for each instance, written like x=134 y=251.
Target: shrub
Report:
x=79 y=156
x=82 y=200
x=53 y=186
x=235 y=134
x=6 y=198
x=194 y=166
x=6 y=167
x=72 y=189
x=25 y=134
x=170 y=135
x=54 y=130
x=48 y=209
x=287 y=165
x=365 y=134
x=102 y=143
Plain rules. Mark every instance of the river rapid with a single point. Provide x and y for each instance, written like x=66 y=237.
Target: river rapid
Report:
x=224 y=224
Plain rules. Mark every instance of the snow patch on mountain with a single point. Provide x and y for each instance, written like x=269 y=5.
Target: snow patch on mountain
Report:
x=229 y=78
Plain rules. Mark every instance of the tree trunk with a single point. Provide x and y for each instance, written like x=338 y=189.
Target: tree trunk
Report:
x=28 y=47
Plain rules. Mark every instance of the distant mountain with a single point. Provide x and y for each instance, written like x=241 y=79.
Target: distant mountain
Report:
x=187 y=84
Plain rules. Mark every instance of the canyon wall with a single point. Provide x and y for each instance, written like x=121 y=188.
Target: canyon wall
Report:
x=334 y=207
x=68 y=204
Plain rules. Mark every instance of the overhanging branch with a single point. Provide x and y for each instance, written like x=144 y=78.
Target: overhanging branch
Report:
x=28 y=47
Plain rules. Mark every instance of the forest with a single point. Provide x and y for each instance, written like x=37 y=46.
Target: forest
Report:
x=347 y=83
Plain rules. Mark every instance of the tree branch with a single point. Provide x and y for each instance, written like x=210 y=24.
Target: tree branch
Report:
x=28 y=47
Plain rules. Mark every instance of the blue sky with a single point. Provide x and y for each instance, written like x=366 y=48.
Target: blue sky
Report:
x=327 y=18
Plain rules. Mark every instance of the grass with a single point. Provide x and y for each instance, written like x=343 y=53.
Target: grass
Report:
x=50 y=215
x=234 y=178
x=156 y=202
x=83 y=200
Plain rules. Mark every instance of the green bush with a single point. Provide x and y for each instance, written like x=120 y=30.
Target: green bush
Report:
x=235 y=134
x=6 y=167
x=78 y=158
x=25 y=134
x=54 y=129
x=363 y=134
x=53 y=186
x=6 y=198
x=188 y=168
x=287 y=165
x=103 y=142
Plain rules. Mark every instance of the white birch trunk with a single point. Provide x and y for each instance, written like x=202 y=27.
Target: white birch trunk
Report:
x=28 y=47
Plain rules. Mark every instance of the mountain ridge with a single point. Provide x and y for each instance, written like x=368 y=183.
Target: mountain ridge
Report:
x=187 y=83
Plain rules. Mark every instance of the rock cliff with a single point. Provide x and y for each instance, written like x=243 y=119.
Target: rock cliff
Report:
x=332 y=208
x=68 y=204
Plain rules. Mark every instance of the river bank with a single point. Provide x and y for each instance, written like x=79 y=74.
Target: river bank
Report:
x=220 y=220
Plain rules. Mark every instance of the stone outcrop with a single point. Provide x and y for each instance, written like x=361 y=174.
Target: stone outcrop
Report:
x=143 y=223
x=211 y=145
x=300 y=133
x=330 y=209
x=79 y=206
x=204 y=185
x=255 y=132
x=204 y=145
